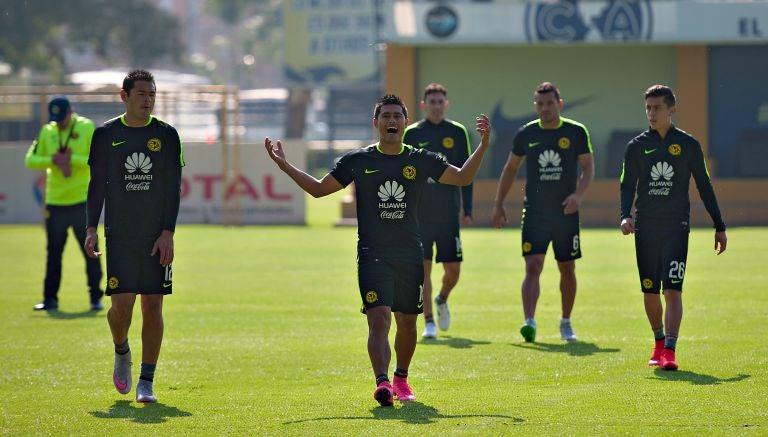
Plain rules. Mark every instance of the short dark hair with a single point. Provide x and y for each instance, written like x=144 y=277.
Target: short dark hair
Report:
x=662 y=91
x=434 y=88
x=389 y=99
x=548 y=87
x=134 y=76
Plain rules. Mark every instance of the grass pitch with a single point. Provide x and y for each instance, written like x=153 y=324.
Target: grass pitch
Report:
x=263 y=336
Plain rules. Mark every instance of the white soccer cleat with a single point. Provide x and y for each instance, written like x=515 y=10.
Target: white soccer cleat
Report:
x=430 y=331
x=566 y=331
x=443 y=314
x=121 y=375
x=144 y=392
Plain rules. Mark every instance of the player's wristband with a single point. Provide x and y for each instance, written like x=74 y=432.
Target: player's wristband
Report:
x=720 y=227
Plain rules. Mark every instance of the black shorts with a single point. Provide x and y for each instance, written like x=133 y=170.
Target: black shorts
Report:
x=397 y=284
x=130 y=268
x=561 y=229
x=661 y=258
x=444 y=235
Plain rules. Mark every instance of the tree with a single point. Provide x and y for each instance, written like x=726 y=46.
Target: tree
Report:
x=35 y=33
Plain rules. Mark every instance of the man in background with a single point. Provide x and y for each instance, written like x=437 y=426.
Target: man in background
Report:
x=554 y=147
x=440 y=204
x=658 y=165
x=61 y=149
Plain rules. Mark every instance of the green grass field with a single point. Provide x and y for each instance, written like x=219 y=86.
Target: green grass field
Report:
x=263 y=336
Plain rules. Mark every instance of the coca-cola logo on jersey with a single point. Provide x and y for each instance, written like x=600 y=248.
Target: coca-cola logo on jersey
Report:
x=141 y=186
x=393 y=215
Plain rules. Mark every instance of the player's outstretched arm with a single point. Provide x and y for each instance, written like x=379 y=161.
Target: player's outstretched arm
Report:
x=316 y=188
x=464 y=175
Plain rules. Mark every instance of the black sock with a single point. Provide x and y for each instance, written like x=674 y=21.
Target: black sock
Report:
x=670 y=342
x=122 y=349
x=381 y=378
x=439 y=299
x=429 y=319
x=147 y=372
x=402 y=373
x=658 y=334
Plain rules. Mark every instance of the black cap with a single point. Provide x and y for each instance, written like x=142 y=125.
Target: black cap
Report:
x=58 y=109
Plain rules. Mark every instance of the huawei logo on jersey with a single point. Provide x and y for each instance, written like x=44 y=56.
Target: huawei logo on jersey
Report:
x=549 y=157
x=391 y=190
x=662 y=170
x=138 y=161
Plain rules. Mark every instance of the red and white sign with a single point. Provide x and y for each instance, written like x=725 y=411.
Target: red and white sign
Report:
x=258 y=194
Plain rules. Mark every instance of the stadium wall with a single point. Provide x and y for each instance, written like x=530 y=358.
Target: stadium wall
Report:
x=714 y=54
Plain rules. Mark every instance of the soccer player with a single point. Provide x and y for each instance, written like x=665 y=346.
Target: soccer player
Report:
x=658 y=165
x=555 y=147
x=439 y=208
x=61 y=149
x=136 y=162
x=389 y=182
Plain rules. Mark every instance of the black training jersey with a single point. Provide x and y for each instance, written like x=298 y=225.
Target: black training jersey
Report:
x=552 y=161
x=388 y=189
x=137 y=171
x=449 y=139
x=659 y=170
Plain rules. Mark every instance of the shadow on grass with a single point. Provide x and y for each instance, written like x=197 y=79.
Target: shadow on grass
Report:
x=62 y=315
x=148 y=413
x=415 y=413
x=453 y=342
x=576 y=349
x=694 y=378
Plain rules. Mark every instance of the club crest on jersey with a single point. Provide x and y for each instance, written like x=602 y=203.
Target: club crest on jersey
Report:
x=154 y=145
x=527 y=247
x=647 y=283
x=674 y=149
x=371 y=297
x=448 y=142
x=409 y=172
x=113 y=283
x=563 y=143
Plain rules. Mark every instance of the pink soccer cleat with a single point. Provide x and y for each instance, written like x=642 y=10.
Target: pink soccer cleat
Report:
x=656 y=356
x=383 y=394
x=667 y=360
x=402 y=389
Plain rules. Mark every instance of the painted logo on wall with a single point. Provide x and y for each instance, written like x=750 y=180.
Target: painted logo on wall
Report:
x=442 y=21
x=575 y=20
